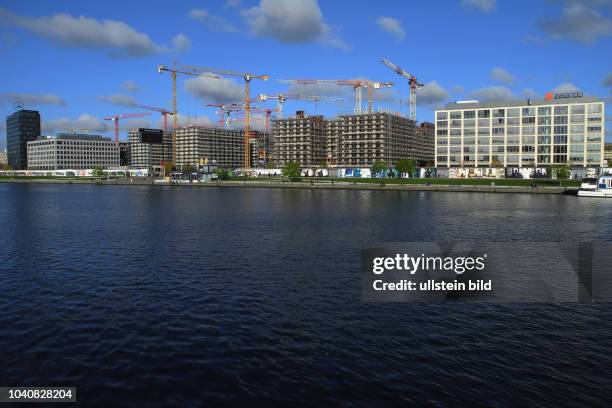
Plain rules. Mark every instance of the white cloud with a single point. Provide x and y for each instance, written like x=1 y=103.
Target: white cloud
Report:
x=131 y=123
x=431 y=94
x=608 y=80
x=188 y=120
x=529 y=93
x=129 y=86
x=292 y=21
x=457 y=89
x=392 y=26
x=181 y=43
x=482 y=5
x=32 y=99
x=212 y=21
x=82 y=123
x=321 y=90
x=577 y=22
x=566 y=87
x=501 y=75
x=84 y=32
x=232 y=3
x=220 y=90
x=493 y=93
x=120 y=99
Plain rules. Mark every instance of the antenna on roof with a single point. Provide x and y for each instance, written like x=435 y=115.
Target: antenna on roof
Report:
x=18 y=105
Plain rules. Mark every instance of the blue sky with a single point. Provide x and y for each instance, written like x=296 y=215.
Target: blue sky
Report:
x=77 y=62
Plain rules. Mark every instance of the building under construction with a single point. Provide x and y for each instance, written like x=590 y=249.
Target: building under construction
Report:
x=198 y=145
x=301 y=139
x=351 y=140
x=149 y=147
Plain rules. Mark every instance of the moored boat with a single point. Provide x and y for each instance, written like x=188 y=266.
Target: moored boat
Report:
x=601 y=188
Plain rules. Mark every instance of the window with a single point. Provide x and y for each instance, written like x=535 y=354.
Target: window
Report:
x=529 y=121
x=528 y=111
x=514 y=121
x=513 y=113
x=442 y=115
x=560 y=120
x=469 y=114
x=594 y=108
x=544 y=111
x=485 y=113
x=498 y=113
x=577 y=108
x=455 y=115
x=560 y=110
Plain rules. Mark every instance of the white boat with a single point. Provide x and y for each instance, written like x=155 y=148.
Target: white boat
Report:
x=602 y=187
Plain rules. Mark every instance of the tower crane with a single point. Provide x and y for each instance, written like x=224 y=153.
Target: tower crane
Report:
x=281 y=99
x=164 y=113
x=174 y=70
x=225 y=110
x=248 y=77
x=115 y=118
x=357 y=85
x=412 y=82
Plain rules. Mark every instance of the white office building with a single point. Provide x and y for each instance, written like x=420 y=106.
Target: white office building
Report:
x=72 y=151
x=561 y=129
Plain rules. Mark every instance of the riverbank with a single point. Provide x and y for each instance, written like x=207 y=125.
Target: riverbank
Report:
x=492 y=187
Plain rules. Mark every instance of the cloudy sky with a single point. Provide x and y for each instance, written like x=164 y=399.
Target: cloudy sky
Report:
x=78 y=62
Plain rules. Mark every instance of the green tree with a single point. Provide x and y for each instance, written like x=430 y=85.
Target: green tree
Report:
x=406 y=166
x=168 y=167
x=496 y=164
x=222 y=173
x=97 y=172
x=5 y=166
x=563 y=172
x=188 y=169
x=292 y=171
x=379 y=166
x=323 y=164
x=609 y=162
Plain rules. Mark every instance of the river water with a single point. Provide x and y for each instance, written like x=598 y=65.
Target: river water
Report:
x=182 y=296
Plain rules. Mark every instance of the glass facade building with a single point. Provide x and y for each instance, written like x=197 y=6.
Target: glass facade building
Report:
x=521 y=133
x=22 y=127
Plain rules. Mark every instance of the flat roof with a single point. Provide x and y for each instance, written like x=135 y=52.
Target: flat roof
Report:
x=519 y=103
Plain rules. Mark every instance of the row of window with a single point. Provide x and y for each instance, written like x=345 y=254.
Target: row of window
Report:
x=517 y=112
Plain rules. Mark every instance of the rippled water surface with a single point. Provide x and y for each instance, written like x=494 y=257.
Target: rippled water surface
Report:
x=194 y=296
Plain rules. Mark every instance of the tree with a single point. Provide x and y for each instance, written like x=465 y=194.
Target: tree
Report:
x=406 y=166
x=379 y=167
x=188 y=169
x=563 y=172
x=496 y=164
x=5 y=166
x=168 y=167
x=609 y=162
x=97 y=172
x=222 y=173
x=323 y=164
x=292 y=171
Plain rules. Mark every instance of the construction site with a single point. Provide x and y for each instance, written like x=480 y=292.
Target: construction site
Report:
x=248 y=134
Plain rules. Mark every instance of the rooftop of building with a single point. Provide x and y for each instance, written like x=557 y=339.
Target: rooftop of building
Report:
x=77 y=136
x=561 y=100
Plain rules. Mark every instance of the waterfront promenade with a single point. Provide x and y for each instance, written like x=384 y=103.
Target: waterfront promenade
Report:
x=344 y=184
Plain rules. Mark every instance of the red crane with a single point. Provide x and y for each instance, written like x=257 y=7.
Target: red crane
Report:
x=164 y=113
x=115 y=118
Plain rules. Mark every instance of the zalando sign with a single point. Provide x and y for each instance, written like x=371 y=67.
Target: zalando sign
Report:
x=563 y=95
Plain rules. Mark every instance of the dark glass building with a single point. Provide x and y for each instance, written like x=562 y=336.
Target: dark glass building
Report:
x=22 y=127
